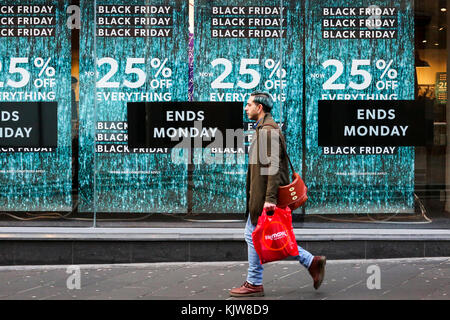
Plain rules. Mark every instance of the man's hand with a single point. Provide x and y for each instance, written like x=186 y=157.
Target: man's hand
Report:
x=269 y=206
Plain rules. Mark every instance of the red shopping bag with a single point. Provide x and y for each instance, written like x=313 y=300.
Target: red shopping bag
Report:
x=273 y=237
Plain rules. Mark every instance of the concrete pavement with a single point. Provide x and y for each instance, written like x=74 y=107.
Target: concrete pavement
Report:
x=418 y=278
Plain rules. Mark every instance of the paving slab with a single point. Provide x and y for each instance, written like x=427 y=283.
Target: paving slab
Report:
x=412 y=278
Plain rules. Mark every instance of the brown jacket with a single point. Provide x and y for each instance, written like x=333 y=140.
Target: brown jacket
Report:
x=265 y=173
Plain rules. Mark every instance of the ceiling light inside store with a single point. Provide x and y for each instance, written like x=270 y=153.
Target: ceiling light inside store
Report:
x=443 y=9
x=436 y=44
x=424 y=41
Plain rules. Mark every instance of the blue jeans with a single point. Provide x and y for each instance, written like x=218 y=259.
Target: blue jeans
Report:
x=255 y=268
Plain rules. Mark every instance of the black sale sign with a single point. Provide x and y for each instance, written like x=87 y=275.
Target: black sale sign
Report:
x=28 y=124
x=167 y=124
x=371 y=123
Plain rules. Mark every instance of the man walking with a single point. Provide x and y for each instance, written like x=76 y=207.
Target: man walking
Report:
x=263 y=179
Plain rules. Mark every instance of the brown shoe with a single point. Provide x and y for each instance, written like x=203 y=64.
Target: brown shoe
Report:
x=247 y=290
x=317 y=270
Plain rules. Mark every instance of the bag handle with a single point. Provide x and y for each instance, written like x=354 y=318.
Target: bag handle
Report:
x=283 y=143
